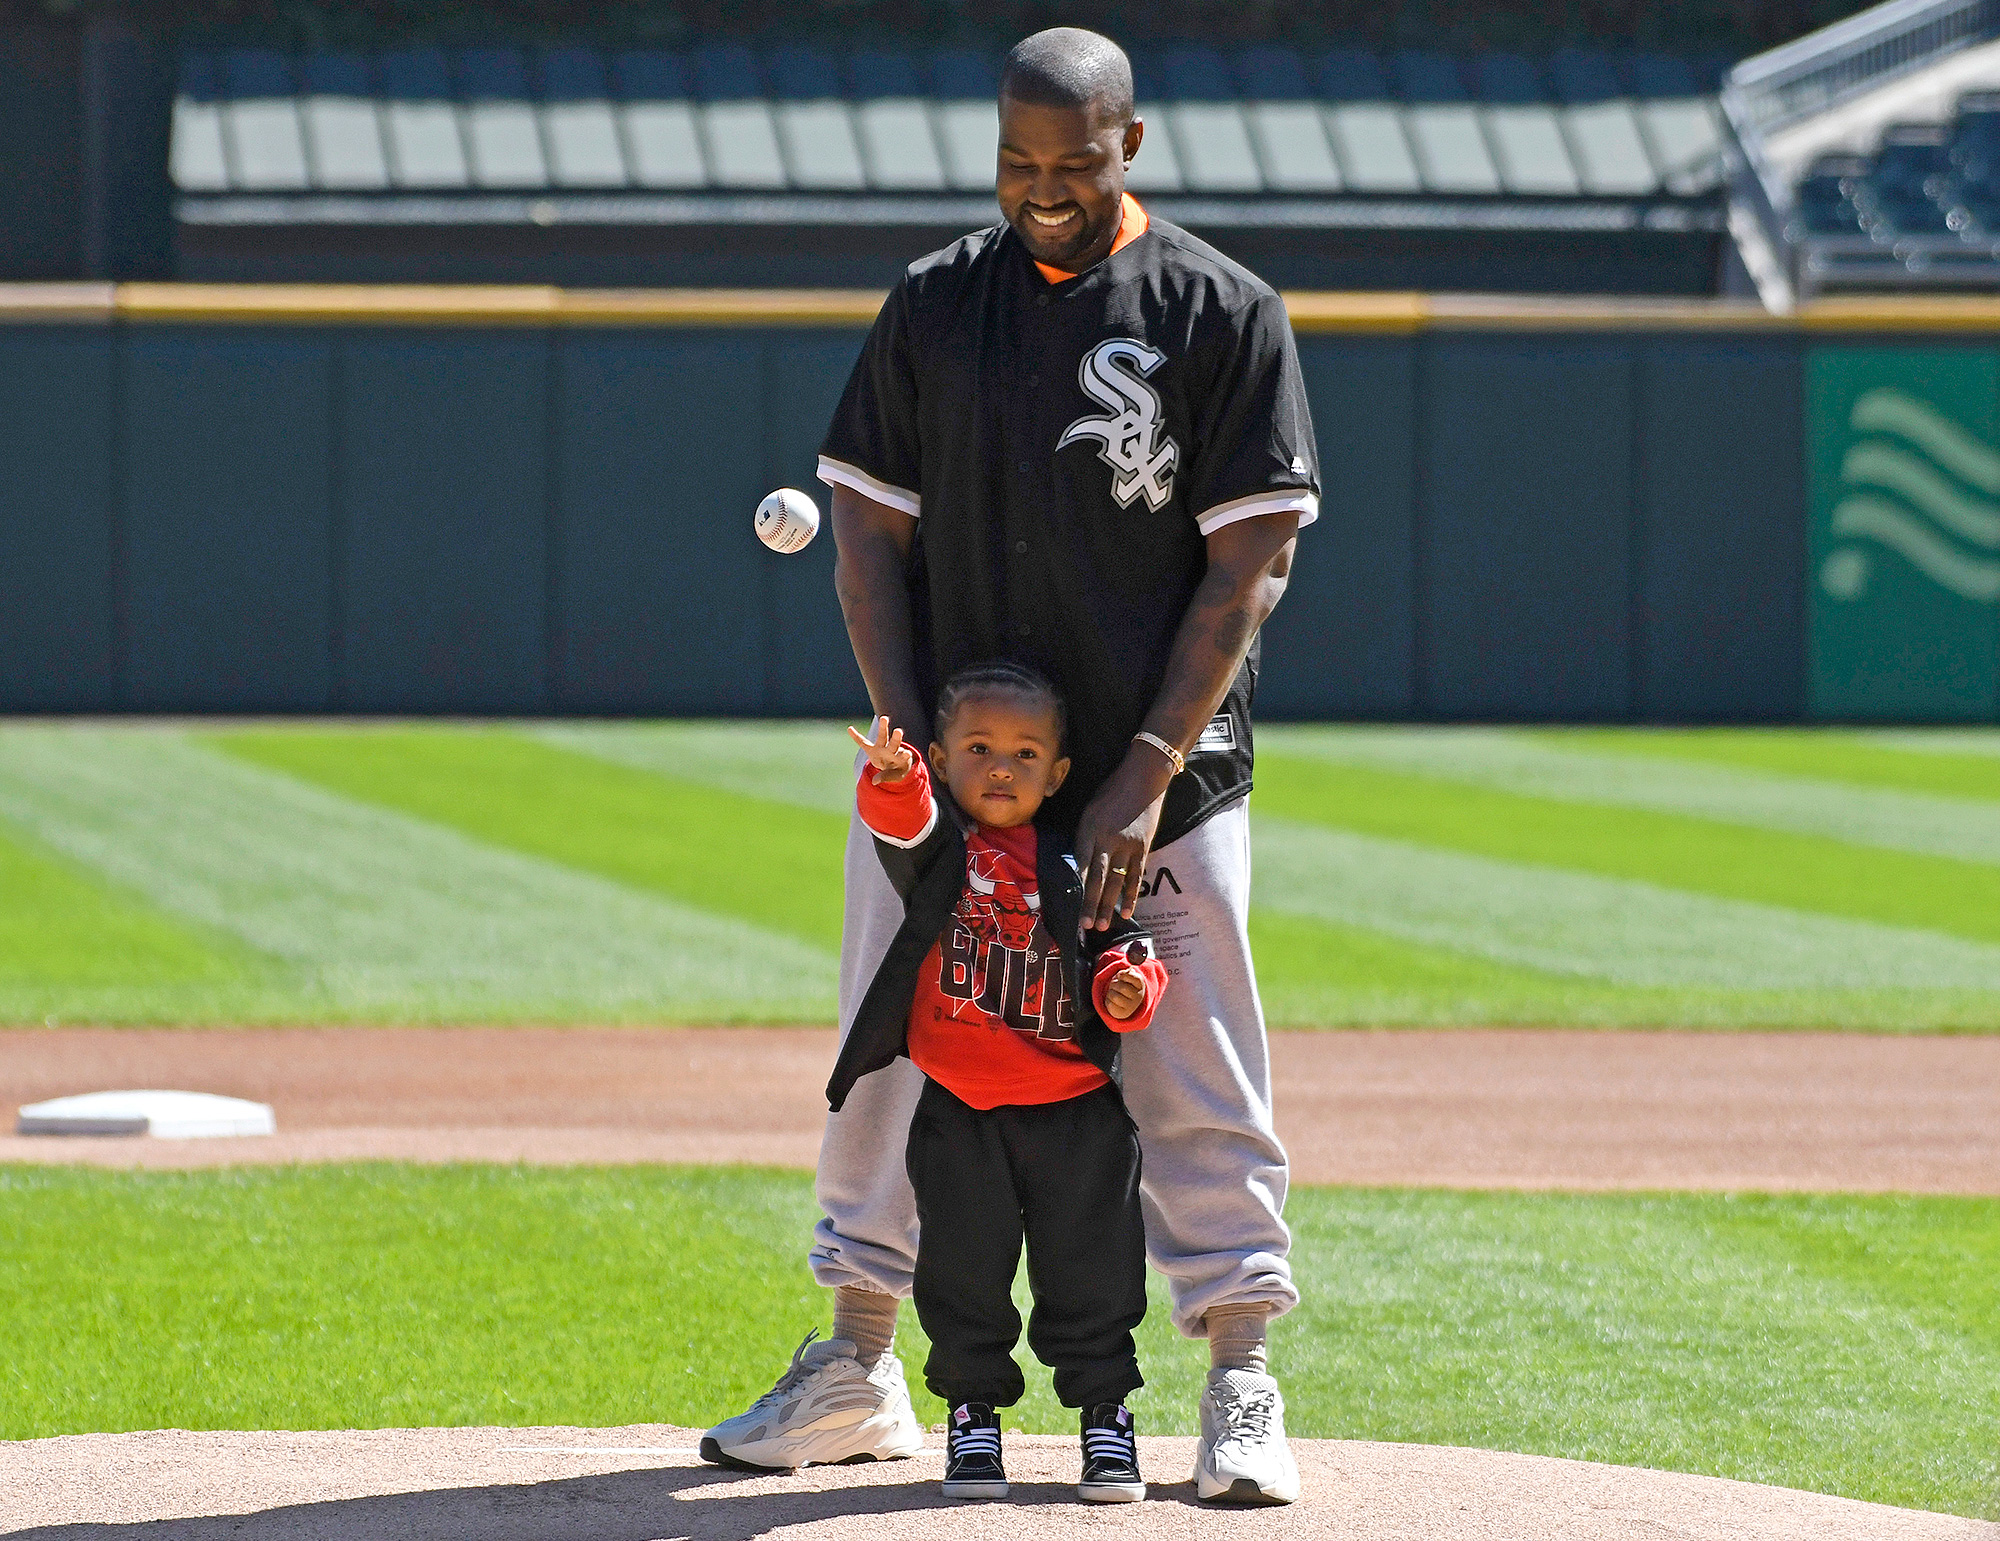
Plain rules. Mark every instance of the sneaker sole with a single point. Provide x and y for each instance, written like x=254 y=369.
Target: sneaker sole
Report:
x=1243 y=1490
x=1111 y=1492
x=975 y=1490
x=877 y=1444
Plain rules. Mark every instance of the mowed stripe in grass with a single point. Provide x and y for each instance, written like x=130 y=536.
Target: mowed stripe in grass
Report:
x=363 y=912
x=1770 y=867
x=1581 y=924
x=1847 y=1345
x=1952 y=763
x=1962 y=829
x=774 y=864
x=810 y=764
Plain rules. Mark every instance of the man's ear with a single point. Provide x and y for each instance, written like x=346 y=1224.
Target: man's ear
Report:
x=1135 y=132
x=1058 y=772
x=937 y=757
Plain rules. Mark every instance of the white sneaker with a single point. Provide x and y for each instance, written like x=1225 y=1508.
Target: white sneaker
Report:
x=824 y=1410
x=1243 y=1457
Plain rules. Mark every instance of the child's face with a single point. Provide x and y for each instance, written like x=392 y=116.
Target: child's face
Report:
x=1000 y=757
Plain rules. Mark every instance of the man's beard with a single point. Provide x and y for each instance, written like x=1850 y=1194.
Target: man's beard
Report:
x=1073 y=245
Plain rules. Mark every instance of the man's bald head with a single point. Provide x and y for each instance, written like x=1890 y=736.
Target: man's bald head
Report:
x=1071 y=68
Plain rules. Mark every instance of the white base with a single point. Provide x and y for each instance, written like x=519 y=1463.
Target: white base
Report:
x=164 y=1115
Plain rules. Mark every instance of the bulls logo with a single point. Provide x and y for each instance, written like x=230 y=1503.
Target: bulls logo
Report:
x=1009 y=914
x=997 y=957
x=1134 y=444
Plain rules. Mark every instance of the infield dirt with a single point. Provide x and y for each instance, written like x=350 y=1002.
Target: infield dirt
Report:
x=1837 y=1112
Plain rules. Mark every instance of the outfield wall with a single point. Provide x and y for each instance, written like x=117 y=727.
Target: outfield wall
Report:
x=241 y=499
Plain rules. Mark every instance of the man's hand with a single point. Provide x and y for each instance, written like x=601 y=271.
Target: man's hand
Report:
x=1116 y=832
x=1125 y=993
x=886 y=751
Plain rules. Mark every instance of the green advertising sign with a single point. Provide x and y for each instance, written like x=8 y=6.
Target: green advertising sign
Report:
x=1904 y=449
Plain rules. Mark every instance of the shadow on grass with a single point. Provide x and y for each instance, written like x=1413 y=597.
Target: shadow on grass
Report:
x=663 y=1504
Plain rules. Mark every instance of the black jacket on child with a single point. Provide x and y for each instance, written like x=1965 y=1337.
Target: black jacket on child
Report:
x=930 y=876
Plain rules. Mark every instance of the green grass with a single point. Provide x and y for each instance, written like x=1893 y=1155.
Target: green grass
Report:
x=690 y=872
x=1846 y=1345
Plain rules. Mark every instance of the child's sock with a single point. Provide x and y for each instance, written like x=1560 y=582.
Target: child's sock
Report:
x=1236 y=1336
x=867 y=1319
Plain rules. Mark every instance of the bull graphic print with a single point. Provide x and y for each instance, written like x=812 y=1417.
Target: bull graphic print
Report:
x=1134 y=444
x=997 y=957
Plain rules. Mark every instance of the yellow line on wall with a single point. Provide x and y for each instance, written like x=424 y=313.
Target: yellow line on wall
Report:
x=1389 y=313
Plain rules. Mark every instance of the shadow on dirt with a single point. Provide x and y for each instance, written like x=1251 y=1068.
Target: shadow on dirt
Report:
x=666 y=1504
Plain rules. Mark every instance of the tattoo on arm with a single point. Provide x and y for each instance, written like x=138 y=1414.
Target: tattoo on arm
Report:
x=1232 y=632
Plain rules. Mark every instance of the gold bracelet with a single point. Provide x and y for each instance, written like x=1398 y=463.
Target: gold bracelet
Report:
x=1165 y=748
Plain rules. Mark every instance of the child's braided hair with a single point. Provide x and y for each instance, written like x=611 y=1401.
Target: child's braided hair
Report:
x=1000 y=676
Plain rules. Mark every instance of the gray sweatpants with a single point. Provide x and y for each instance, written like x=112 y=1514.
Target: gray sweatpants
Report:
x=1197 y=1083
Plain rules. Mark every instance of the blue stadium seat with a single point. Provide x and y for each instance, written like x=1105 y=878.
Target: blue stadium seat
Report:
x=1444 y=128
x=874 y=72
x=343 y=130
x=1528 y=145
x=899 y=142
x=1354 y=75
x=1285 y=122
x=740 y=131
x=1428 y=77
x=420 y=120
x=503 y=136
x=198 y=161
x=1905 y=189
x=260 y=120
x=1584 y=75
x=968 y=124
x=1269 y=74
x=653 y=88
x=1197 y=75
x=1661 y=76
x=578 y=120
x=1610 y=150
x=1826 y=198
x=1508 y=78
x=815 y=128
x=1210 y=133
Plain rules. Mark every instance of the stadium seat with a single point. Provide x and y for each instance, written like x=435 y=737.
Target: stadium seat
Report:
x=1681 y=125
x=739 y=130
x=1911 y=176
x=815 y=127
x=1158 y=167
x=1611 y=156
x=503 y=139
x=343 y=130
x=1444 y=127
x=426 y=149
x=1209 y=128
x=1364 y=125
x=968 y=122
x=1826 y=198
x=1528 y=146
x=267 y=147
x=1285 y=122
x=653 y=92
x=578 y=120
x=198 y=161
x=898 y=140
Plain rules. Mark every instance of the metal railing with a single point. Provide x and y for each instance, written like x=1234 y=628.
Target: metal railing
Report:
x=1813 y=75
x=1828 y=66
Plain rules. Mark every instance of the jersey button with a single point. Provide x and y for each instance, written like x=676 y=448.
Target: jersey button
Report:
x=1020 y=548
x=1024 y=468
x=1041 y=299
x=1023 y=629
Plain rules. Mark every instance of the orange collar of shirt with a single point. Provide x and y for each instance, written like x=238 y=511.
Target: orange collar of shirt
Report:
x=1132 y=224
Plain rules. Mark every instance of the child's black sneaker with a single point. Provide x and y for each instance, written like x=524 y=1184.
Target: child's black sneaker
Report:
x=972 y=1466
x=1110 y=1456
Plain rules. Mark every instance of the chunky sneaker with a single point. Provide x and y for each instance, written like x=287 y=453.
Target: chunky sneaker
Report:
x=972 y=1467
x=824 y=1410
x=1110 y=1457
x=1243 y=1457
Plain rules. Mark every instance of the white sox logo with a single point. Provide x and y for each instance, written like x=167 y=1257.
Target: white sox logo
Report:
x=1114 y=373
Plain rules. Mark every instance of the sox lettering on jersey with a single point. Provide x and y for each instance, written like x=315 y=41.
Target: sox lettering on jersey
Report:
x=1114 y=374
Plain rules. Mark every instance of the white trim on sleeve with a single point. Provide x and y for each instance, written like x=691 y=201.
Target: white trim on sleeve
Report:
x=838 y=473
x=909 y=845
x=1304 y=504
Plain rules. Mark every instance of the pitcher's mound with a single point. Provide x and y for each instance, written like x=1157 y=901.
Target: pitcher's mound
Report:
x=646 y=1483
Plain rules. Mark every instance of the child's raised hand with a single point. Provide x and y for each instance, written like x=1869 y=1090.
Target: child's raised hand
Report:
x=1125 y=993
x=886 y=751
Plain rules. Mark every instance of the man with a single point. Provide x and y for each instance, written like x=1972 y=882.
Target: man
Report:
x=1078 y=440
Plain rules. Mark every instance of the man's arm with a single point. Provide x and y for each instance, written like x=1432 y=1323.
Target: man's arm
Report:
x=1248 y=564
x=870 y=576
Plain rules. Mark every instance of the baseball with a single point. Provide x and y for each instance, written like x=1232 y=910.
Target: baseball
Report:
x=787 y=520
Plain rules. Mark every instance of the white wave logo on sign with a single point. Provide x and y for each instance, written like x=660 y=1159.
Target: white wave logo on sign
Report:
x=1114 y=374
x=1923 y=487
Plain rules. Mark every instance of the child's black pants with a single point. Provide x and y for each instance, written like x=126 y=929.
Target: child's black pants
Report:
x=1065 y=1175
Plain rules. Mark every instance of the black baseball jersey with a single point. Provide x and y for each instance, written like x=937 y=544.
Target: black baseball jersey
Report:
x=1066 y=448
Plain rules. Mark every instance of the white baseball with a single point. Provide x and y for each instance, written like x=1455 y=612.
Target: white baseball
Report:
x=787 y=520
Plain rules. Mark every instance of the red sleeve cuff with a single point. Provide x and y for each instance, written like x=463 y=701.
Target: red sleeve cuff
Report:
x=903 y=812
x=1109 y=962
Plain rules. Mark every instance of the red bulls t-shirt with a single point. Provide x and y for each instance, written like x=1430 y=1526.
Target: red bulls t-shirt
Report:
x=991 y=1020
